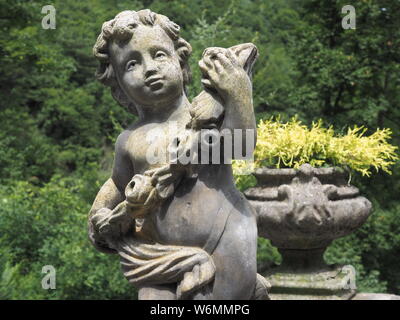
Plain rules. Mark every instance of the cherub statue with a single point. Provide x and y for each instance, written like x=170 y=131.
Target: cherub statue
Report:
x=181 y=230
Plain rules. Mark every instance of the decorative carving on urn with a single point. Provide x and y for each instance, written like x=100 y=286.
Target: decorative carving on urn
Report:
x=301 y=212
x=306 y=208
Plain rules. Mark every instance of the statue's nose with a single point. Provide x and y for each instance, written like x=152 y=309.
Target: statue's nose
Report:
x=150 y=68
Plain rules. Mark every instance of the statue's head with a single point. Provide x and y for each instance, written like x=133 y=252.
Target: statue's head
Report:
x=142 y=58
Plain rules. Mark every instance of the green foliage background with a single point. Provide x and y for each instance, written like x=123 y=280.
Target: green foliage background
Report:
x=58 y=125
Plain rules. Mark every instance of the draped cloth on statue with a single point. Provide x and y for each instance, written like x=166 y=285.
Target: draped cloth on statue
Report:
x=147 y=262
x=152 y=263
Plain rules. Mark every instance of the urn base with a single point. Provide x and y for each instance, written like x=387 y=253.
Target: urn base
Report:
x=333 y=282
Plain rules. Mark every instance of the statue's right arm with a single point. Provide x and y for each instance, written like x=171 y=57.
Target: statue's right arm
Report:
x=112 y=192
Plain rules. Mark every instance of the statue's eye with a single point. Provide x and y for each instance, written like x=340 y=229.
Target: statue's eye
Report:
x=130 y=65
x=160 y=55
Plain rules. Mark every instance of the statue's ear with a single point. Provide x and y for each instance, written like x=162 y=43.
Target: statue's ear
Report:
x=247 y=54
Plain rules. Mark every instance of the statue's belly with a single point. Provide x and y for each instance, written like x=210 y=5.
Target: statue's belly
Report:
x=187 y=218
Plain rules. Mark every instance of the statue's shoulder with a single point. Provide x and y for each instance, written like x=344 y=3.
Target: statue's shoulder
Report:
x=122 y=169
x=121 y=144
x=125 y=136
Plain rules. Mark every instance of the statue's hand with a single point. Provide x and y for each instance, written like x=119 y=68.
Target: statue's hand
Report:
x=100 y=221
x=165 y=180
x=114 y=222
x=222 y=71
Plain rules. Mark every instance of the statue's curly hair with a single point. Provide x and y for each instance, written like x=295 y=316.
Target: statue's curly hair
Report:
x=121 y=28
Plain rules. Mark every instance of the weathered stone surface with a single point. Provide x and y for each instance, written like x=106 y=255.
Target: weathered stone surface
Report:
x=330 y=283
x=181 y=230
x=375 y=296
x=306 y=208
x=301 y=212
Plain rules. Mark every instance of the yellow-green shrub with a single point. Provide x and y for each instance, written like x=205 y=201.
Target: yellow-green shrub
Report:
x=291 y=144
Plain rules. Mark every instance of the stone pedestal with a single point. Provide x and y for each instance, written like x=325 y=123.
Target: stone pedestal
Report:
x=331 y=284
x=301 y=212
x=303 y=275
x=375 y=296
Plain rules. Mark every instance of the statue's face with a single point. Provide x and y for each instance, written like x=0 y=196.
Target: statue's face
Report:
x=147 y=67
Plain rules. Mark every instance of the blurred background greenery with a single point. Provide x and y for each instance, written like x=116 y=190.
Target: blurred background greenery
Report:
x=58 y=125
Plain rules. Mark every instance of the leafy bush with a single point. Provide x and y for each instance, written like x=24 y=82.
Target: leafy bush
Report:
x=373 y=251
x=48 y=226
x=291 y=144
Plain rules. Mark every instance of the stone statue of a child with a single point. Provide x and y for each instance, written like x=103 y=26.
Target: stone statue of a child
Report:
x=180 y=233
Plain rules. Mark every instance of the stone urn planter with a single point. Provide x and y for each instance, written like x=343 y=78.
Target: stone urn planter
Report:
x=302 y=212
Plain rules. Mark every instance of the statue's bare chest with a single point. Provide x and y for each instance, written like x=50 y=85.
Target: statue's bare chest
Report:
x=148 y=147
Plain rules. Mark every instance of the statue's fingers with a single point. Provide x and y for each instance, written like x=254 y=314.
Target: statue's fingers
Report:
x=218 y=66
x=166 y=179
x=206 y=52
x=165 y=191
x=150 y=172
x=96 y=220
x=224 y=60
x=212 y=51
x=105 y=228
x=103 y=224
x=162 y=171
x=213 y=75
x=206 y=82
x=208 y=62
x=152 y=198
x=100 y=215
x=120 y=210
x=203 y=67
x=233 y=59
x=102 y=212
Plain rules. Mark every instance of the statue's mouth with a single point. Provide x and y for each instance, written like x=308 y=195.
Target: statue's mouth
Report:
x=154 y=81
